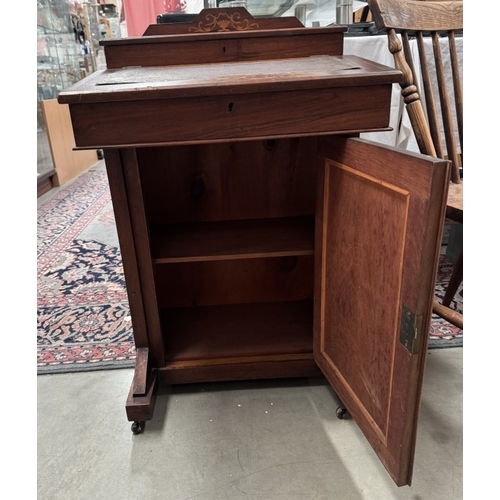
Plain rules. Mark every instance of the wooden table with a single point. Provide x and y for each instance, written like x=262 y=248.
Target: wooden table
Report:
x=260 y=237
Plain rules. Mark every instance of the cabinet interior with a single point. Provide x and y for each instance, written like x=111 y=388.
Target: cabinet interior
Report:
x=231 y=228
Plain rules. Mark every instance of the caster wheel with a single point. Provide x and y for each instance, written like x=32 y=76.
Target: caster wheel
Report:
x=138 y=427
x=342 y=413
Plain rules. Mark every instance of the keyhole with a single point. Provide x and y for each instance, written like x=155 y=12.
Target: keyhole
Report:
x=223 y=49
x=198 y=189
x=270 y=144
x=230 y=107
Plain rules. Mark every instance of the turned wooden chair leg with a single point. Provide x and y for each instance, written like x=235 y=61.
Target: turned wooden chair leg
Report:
x=455 y=280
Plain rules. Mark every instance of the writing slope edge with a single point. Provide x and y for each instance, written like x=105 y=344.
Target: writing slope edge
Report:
x=379 y=223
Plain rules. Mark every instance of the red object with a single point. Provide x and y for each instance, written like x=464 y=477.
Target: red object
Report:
x=141 y=13
x=174 y=6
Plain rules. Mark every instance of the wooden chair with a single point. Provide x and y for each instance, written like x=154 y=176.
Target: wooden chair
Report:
x=418 y=22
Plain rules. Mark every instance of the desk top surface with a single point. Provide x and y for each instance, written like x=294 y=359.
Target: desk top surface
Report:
x=142 y=83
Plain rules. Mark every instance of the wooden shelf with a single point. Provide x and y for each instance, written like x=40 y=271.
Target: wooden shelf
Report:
x=238 y=239
x=238 y=330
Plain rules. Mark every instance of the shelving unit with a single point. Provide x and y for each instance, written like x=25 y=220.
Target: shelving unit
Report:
x=233 y=276
x=228 y=240
x=58 y=67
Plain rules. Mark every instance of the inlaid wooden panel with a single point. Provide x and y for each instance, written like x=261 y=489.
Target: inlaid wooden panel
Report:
x=356 y=276
x=225 y=20
x=378 y=227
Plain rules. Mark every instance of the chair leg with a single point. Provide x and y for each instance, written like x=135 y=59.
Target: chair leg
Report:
x=455 y=280
x=448 y=314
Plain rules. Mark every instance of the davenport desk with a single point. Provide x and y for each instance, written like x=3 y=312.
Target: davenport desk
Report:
x=260 y=236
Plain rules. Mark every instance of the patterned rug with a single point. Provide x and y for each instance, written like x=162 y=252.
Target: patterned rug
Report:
x=442 y=333
x=83 y=313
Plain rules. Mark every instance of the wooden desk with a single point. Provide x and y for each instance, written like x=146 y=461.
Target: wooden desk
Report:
x=258 y=239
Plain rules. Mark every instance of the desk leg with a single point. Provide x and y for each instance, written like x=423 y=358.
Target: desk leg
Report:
x=141 y=398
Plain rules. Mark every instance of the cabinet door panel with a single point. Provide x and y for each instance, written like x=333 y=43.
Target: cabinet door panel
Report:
x=379 y=222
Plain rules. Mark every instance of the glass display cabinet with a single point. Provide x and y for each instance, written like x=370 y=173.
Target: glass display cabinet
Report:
x=66 y=46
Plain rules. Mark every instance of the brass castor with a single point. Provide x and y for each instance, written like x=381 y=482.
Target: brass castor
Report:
x=138 y=426
x=342 y=413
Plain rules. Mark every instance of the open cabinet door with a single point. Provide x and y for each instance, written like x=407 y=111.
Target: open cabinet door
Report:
x=378 y=230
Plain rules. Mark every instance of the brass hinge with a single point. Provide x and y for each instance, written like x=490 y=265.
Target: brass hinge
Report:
x=411 y=329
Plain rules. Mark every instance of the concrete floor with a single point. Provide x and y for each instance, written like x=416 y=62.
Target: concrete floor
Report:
x=259 y=440
x=264 y=440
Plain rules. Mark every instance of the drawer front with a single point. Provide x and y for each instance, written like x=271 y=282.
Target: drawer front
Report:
x=232 y=117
